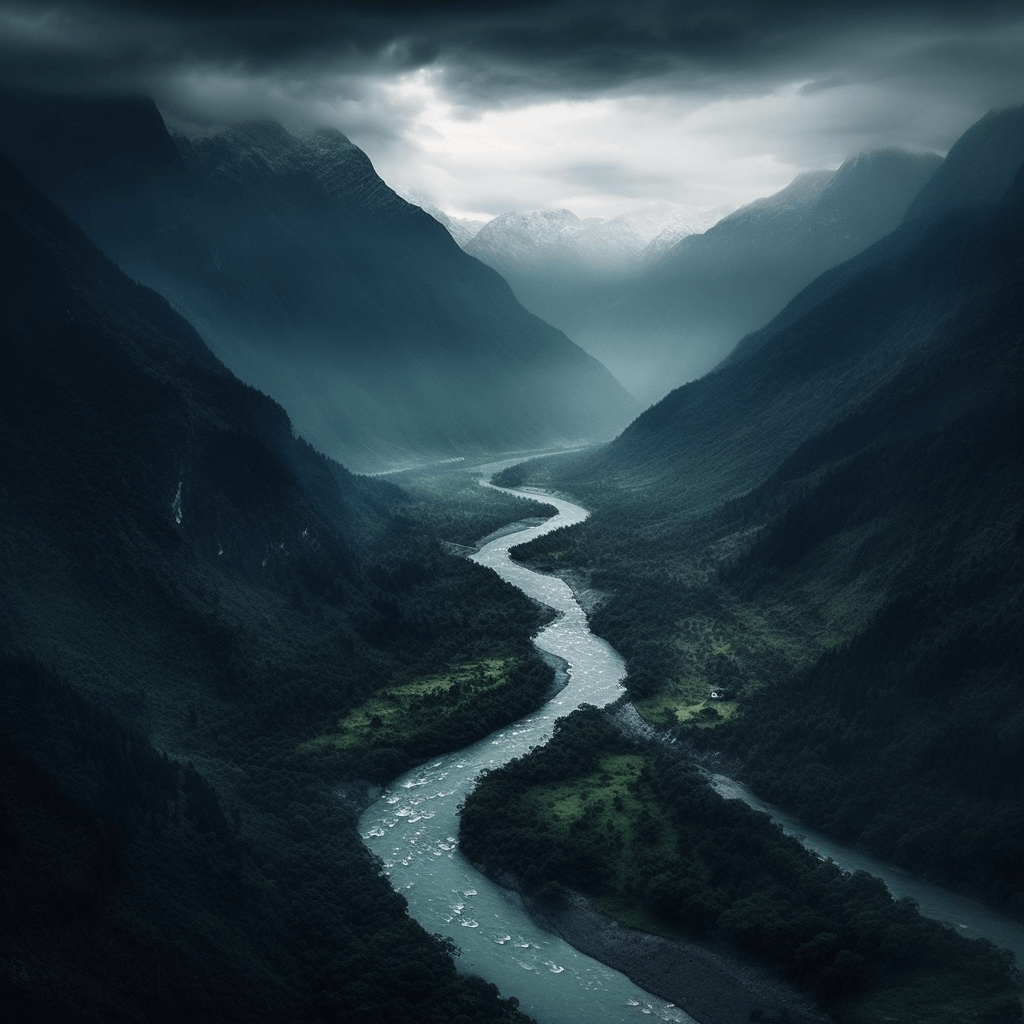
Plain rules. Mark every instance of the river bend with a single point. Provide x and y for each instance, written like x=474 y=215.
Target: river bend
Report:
x=413 y=828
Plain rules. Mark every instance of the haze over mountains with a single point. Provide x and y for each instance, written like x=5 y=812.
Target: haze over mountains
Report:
x=522 y=246
x=679 y=305
x=317 y=284
x=829 y=525
x=848 y=334
x=832 y=531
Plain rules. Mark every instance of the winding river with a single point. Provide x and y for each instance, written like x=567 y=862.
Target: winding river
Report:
x=413 y=828
x=970 y=918
x=414 y=825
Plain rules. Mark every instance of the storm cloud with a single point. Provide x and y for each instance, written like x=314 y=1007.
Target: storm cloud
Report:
x=492 y=105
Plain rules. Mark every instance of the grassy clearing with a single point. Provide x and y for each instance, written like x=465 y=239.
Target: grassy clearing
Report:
x=561 y=806
x=605 y=804
x=686 y=704
x=755 y=640
x=406 y=710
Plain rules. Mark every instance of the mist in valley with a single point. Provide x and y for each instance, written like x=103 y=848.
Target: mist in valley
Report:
x=727 y=321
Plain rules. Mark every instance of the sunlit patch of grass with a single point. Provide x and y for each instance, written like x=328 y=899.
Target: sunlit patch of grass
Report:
x=562 y=804
x=606 y=804
x=675 y=706
x=409 y=708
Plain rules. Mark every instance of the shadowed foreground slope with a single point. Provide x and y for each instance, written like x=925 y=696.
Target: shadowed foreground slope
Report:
x=186 y=593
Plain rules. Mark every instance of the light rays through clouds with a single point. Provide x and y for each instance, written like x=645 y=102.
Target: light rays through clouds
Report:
x=596 y=106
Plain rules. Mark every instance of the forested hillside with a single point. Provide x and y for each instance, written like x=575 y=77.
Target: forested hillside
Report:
x=313 y=281
x=189 y=595
x=829 y=530
x=637 y=826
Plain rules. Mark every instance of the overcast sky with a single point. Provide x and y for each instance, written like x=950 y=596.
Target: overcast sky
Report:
x=595 y=106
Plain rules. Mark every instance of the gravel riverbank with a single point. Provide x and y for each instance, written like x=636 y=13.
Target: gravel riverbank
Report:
x=711 y=986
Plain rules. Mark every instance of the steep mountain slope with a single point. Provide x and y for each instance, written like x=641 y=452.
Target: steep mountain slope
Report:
x=183 y=583
x=843 y=336
x=978 y=169
x=900 y=527
x=829 y=529
x=314 y=282
x=462 y=229
x=691 y=306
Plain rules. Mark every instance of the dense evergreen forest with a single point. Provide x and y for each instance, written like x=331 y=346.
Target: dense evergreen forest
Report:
x=636 y=825
x=820 y=590
x=190 y=597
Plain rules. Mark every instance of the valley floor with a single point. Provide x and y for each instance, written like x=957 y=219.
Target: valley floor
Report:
x=712 y=986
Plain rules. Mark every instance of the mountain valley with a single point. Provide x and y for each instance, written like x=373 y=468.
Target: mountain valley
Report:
x=853 y=563
x=317 y=284
x=679 y=307
x=219 y=641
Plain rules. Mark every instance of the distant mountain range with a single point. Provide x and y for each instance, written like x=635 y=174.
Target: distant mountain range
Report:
x=662 y=311
x=831 y=528
x=524 y=246
x=317 y=284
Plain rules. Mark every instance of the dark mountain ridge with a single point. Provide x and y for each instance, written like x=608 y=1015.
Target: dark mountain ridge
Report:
x=979 y=167
x=829 y=528
x=837 y=341
x=184 y=582
x=313 y=281
x=684 y=312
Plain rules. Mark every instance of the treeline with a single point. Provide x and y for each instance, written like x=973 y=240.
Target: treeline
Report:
x=180 y=574
x=662 y=841
x=862 y=606
x=124 y=878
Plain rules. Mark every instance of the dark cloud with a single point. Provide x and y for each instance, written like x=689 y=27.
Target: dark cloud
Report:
x=866 y=72
x=489 y=52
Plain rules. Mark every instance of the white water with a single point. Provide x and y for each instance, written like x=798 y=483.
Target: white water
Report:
x=414 y=825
